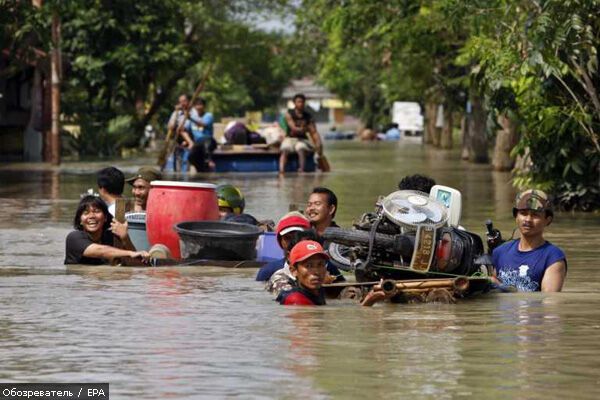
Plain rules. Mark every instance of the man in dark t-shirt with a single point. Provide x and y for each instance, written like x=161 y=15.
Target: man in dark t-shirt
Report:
x=300 y=125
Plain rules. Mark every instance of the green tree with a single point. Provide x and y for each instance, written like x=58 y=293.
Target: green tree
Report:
x=541 y=65
x=122 y=60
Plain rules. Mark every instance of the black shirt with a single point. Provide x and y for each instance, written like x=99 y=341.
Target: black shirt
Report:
x=302 y=122
x=78 y=241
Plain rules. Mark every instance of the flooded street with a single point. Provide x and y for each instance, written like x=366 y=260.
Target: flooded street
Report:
x=202 y=332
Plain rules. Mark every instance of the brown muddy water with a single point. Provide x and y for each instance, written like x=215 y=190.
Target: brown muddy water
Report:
x=213 y=333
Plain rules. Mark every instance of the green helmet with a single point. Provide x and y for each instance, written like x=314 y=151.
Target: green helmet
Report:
x=232 y=197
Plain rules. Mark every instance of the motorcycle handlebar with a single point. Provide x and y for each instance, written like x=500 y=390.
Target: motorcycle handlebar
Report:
x=490 y=227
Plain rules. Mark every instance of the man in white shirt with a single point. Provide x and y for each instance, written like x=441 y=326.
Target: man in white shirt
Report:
x=111 y=182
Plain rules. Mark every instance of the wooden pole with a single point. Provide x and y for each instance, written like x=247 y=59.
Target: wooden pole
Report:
x=55 y=82
x=120 y=205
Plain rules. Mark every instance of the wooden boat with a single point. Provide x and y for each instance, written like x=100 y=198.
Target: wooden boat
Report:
x=255 y=158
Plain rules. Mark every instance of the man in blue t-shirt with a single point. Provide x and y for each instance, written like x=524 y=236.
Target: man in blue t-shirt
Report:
x=201 y=126
x=531 y=263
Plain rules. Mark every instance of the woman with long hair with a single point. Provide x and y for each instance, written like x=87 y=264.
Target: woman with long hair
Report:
x=92 y=240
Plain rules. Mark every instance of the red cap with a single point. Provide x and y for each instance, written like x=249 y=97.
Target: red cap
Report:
x=305 y=249
x=292 y=223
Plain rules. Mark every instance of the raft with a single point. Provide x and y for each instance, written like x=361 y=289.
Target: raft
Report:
x=256 y=158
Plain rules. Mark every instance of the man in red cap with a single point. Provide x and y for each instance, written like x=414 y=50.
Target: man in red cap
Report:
x=289 y=227
x=308 y=266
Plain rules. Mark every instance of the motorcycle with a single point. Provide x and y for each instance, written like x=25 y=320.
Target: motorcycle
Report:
x=408 y=236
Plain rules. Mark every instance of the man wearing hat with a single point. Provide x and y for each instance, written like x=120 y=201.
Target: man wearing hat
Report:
x=140 y=183
x=307 y=265
x=291 y=229
x=531 y=263
x=290 y=226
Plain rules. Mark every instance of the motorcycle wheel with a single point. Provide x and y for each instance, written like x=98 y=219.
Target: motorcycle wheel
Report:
x=339 y=256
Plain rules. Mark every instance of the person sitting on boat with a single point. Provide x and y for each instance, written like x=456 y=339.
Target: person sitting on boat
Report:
x=299 y=125
x=531 y=263
x=200 y=124
x=231 y=205
x=185 y=142
x=92 y=240
x=140 y=186
x=308 y=263
x=111 y=182
x=422 y=183
x=321 y=208
x=238 y=133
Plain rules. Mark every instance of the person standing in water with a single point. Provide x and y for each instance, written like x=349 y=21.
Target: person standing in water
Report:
x=531 y=263
x=91 y=241
x=140 y=186
x=308 y=266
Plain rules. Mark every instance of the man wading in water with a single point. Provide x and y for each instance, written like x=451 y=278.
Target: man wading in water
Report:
x=307 y=265
x=140 y=186
x=531 y=263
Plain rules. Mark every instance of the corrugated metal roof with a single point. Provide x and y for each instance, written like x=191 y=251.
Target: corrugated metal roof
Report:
x=309 y=88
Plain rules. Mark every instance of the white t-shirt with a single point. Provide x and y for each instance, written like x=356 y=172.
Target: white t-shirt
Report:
x=111 y=208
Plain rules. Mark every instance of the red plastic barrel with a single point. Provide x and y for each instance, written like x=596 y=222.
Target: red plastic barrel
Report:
x=170 y=203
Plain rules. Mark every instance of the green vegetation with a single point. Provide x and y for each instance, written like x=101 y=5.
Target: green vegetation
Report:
x=126 y=62
x=531 y=64
x=529 y=69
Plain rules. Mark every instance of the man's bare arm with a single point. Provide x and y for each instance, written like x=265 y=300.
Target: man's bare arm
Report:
x=554 y=277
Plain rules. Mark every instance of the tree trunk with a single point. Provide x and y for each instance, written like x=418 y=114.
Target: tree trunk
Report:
x=464 y=134
x=446 y=137
x=55 y=79
x=438 y=124
x=33 y=140
x=159 y=98
x=506 y=139
x=430 y=109
x=478 y=150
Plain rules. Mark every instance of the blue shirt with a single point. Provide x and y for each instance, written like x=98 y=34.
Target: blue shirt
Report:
x=525 y=269
x=393 y=134
x=264 y=274
x=200 y=132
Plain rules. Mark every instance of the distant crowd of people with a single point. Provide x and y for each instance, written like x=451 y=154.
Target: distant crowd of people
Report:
x=193 y=128
x=529 y=263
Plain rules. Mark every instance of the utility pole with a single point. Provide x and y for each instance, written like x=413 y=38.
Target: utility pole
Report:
x=55 y=68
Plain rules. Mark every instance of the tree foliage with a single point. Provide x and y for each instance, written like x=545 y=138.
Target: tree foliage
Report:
x=536 y=61
x=541 y=64
x=125 y=58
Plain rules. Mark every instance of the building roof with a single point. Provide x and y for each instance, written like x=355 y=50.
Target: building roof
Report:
x=309 y=88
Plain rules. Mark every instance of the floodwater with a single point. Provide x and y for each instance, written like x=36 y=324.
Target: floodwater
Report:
x=213 y=333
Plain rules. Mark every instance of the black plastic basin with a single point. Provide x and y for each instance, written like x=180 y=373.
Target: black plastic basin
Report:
x=216 y=240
